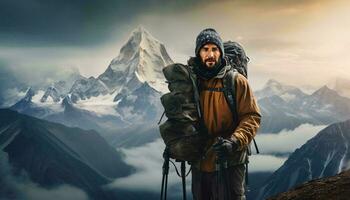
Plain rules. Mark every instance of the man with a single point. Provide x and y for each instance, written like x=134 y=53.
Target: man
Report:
x=211 y=66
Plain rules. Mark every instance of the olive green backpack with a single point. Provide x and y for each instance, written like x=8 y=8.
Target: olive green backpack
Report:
x=182 y=132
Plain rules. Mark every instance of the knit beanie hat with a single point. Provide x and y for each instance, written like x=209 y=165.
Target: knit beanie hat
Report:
x=209 y=35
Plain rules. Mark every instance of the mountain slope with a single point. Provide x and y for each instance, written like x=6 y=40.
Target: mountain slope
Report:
x=53 y=154
x=324 y=155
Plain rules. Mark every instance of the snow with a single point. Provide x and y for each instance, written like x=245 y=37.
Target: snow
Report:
x=50 y=104
x=309 y=168
x=288 y=97
x=142 y=57
x=342 y=164
x=329 y=158
x=101 y=105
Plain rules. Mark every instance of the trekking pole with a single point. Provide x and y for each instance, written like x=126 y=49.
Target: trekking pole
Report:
x=217 y=166
x=221 y=180
x=225 y=179
x=183 y=177
x=165 y=173
x=221 y=166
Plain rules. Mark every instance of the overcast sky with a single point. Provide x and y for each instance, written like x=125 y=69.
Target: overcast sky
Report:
x=297 y=42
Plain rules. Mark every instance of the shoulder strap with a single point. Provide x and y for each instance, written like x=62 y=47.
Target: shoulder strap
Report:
x=229 y=83
x=195 y=84
x=193 y=78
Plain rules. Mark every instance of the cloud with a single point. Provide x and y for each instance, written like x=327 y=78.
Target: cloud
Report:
x=19 y=74
x=284 y=39
x=265 y=163
x=42 y=23
x=147 y=159
x=21 y=187
x=32 y=191
x=10 y=96
x=148 y=162
x=286 y=141
x=16 y=78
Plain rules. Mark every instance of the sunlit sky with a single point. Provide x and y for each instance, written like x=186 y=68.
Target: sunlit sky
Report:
x=302 y=43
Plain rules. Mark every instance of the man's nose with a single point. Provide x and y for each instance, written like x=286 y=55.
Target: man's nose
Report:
x=211 y=54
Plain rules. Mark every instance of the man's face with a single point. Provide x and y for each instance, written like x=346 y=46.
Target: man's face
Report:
x=210 y=54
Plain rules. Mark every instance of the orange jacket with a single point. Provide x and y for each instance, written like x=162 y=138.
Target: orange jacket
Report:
x=218 y=116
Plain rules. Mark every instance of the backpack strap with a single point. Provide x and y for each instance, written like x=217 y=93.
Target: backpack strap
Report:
x=193 y=78
x=196 y=86
x=229 y=83
x=214 y=89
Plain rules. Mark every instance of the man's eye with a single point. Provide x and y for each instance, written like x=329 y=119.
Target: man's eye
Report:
x=215 y=49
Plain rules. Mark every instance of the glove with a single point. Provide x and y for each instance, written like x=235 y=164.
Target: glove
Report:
x=224 y=147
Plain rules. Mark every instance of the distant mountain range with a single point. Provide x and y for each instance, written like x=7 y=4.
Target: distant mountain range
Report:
x=127 y=94
x=53 y=154
x=325 y=155
x=287 y=107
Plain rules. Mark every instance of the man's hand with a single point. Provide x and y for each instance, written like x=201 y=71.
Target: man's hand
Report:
x=224 y=147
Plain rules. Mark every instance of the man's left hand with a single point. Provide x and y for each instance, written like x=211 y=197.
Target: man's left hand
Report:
x=224 y=147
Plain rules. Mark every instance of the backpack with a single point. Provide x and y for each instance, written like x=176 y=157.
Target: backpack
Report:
x=237 y=57
x=182 y=132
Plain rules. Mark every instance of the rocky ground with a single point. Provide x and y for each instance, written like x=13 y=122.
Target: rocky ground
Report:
x=335 y=188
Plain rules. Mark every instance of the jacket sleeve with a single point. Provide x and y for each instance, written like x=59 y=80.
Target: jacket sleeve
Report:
x=249 y=115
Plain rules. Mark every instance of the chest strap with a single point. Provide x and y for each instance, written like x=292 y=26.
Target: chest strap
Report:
x=215 y=89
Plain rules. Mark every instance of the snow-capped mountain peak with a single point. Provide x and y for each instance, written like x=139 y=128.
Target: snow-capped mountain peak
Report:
x=325 y=92
x=139 y=40
x=29 y=94
x=286 y=92
x=140 y=60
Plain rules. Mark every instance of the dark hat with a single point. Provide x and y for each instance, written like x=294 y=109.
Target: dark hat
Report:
x=209 y=35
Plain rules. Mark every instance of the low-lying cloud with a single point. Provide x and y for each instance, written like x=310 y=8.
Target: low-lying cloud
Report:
x=265 y=163
x=147 y=159
x=287 y=140
x=21 y=187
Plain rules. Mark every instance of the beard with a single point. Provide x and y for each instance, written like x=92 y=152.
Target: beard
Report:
x=205 y=72
x=210 y=63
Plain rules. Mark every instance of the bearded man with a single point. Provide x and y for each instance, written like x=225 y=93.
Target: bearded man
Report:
x=230 y=138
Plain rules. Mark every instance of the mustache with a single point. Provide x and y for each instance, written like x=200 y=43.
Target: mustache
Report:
x=210 y=60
